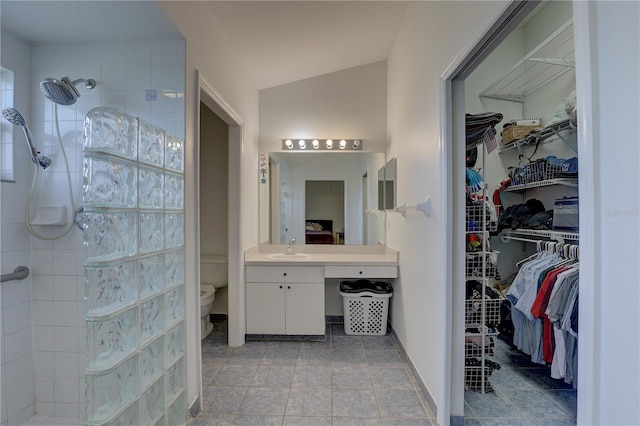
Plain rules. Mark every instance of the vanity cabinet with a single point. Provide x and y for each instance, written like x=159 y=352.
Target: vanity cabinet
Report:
x=286 y=300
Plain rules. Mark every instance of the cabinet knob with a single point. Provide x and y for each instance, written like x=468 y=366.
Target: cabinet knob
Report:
x=288 y=286
x=285 y=274
x=360 y=272
x=280 y=286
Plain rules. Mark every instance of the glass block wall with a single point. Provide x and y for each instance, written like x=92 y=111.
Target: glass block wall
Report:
x=133 y=193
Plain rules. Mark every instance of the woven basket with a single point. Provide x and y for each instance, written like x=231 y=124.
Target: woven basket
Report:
x=514 y=133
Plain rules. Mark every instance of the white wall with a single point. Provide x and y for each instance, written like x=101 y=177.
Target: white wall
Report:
x=348 y=104
x=16 y=351
x=609 y=302
x=212 y=53
x=426 y=44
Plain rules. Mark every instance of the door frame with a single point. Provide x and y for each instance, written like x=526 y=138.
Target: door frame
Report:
x=452 y=125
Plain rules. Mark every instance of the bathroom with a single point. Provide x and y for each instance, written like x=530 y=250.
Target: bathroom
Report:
x=415 y=135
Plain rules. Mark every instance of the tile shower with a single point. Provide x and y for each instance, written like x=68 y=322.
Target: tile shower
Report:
x=43 y=359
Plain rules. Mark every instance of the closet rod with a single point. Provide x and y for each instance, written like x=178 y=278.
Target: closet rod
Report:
x=507 y=238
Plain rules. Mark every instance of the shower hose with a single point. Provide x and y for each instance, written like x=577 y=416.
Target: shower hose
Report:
x=27 y=209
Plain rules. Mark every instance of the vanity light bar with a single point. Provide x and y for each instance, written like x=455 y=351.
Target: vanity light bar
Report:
x=322 y=144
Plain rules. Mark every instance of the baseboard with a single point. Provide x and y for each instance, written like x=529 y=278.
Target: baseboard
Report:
x=218 y=317
x=427 y=396
x=456 y=420
x=195 y=408
x=334 y=319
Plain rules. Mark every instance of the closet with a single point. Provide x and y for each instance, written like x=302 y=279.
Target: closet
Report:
x=522 y=207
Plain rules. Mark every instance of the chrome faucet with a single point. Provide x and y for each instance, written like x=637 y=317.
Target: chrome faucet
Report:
x=292 y=242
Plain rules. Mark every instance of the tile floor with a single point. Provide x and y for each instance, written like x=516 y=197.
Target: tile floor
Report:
x=524 y=394
x=344 y=380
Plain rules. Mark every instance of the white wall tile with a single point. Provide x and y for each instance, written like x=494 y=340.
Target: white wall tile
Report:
x=81 y=390
x=139 y=54
x=17 y=344
x=114 y=79
x=66 y=410
x=3 y=408
x=19 y=371
x=116 y=100
x=44 y=390
x=165 y=53
x=66 y=390
x=137 y=106
x=139 y=79
x=164 y=78
x=42 y=288
x=81 y=314
x=12 y=208
x=66 y=366
x=23 y=415
x=65 y=113
x=80 y=283
x=13 y=235
x=45 y=408
x=20 y=396
x=66 y=339
x=42 y=262
x=43 y=337
x=163 y=108
x=64 y=261
x=85 y=104
x=69 y=241
x=65 y=314
x=16 y=292
x=43 y=365
x=114 y=54
x=43 y=312
x=16 y=318
x=65 y=287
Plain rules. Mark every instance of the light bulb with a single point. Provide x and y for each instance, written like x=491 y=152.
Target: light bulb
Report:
x=288 y=143
x=316 y=144
x=302 y=144
x=343 y=144
x=329 y=144
x=356 y=144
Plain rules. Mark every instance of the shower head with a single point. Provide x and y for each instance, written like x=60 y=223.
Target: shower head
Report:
x=13 y=116
x=64 y=91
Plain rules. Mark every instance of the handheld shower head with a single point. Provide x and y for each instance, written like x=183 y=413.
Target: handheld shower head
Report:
x=13 y=116
x=64 y=91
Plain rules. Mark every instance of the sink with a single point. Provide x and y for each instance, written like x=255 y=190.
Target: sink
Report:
x=285 y=256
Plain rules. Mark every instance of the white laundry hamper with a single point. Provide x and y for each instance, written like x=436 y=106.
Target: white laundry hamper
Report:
x=366 y=307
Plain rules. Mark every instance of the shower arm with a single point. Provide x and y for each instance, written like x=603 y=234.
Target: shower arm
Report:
x=88 y=83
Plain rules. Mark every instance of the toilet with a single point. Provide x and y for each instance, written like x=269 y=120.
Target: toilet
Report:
x=207 y=297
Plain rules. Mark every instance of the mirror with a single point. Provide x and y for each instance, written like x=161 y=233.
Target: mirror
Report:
x=387 y=186
x=287 y=213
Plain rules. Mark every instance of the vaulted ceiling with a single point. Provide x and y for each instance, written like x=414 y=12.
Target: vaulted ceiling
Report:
x=280 y=41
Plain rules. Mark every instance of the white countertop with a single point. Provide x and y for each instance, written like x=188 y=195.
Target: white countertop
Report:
x=321 y=255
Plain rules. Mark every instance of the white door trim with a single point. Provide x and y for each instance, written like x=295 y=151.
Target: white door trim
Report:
x=450 y=120
x=214 y=100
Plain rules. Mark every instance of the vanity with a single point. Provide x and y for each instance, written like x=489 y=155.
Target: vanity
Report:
x=285 y=294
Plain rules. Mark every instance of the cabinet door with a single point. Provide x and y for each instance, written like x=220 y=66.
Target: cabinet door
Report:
x=265 y=308
x=305 y=308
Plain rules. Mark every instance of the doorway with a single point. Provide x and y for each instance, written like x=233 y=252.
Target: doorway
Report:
x=454 y=90
x=324 y=212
